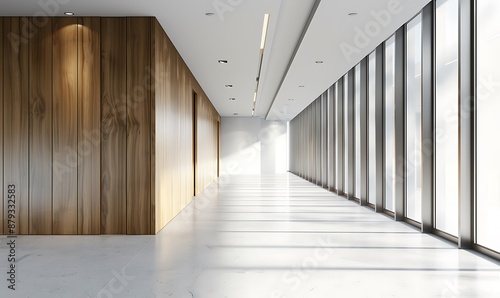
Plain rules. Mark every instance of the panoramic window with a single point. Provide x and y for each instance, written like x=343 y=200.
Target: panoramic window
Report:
x=447 y=116
x=488 y=119
x=389 y=124
x=357 y=131
x=413 y=119
x=372 y=175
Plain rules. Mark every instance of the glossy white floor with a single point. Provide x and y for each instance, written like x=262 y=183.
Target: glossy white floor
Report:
x=255 y=236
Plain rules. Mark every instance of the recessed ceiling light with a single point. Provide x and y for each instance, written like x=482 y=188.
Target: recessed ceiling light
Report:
x=232 y=98
x=69 y=13
x=209 y=14
x=235 y=114
x=222 y=61
x=351 y=14
x=229 y=86
x=319 y=62
x=264 y=31
x=301 y=86
x=291 y=99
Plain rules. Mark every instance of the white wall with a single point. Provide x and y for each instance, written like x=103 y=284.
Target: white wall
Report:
x=253 y=146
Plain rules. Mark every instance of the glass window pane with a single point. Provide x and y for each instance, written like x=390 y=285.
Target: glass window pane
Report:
x=488 y=120
x=447 y=116
x=357 y=130
x=414 y=120
x=337 y=155
x=346 y=133
x=389 y=124
x=372 y=175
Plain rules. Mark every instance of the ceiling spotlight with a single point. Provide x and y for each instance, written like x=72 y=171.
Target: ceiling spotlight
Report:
x=291 y=99
x=351 y=14
x=222 y=61
x=319 y=62
x=235 y=114
x=232 y=98
x=68 y=13
x=264 y=31
x=229 y=86
x=210 y=14
x=301 y=86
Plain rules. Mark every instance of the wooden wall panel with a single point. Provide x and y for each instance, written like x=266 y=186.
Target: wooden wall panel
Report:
x=176 y=146
x=65 y=141
x=154 y=76
x=40 y=129
x=207 y=128
x=170 y=134
x=97 y=126
x=159 y=45
x=138 y=126
x=89 y=128
x=166 y=131
x=15 y=117
x=2 y=189
x=173 y=112
x=187 y=135
x=114 y=126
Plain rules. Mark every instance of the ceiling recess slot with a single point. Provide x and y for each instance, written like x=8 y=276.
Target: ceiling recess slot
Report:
x=261 y=59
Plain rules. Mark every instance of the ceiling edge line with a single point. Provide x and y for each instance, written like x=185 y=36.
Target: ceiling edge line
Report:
x=297 y=47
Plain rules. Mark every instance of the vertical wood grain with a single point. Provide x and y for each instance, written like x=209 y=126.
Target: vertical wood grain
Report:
x=97 y=126
x=89 y=128
x=170 y=135
x=2 y=189
x=65 y=146
x=164 y=138
x=154 y=76
x=138 y=126
x=40 y=129
x=173 y=136
x=177 y=150
x=114 y=126
x=176 y=146
x=15 y=117
x=159 y=156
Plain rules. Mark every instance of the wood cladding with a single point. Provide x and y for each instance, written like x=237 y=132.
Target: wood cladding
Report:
x=15 y=117
x=40 y=130
x=208 y=123
x=138 y=126
x=173 y=147
x=97 y=126
x=65 y=141
x=89 y=126
x=114 y=126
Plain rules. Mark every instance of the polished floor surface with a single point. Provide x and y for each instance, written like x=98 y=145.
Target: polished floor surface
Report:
x=255 y=236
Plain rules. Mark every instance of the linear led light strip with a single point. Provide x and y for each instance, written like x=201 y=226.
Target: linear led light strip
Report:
x=262 y=47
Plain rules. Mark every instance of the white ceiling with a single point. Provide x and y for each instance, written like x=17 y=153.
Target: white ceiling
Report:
x=300 y=33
